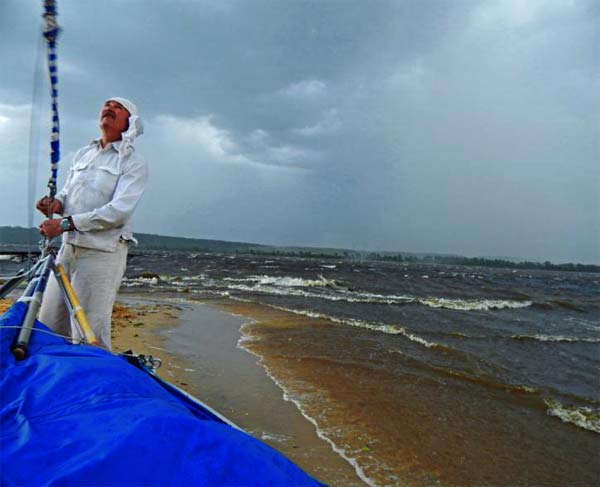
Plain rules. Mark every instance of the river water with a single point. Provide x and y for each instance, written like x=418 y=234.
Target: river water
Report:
x=419 y=374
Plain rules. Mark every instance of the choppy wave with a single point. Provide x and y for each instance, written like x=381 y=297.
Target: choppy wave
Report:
x=331 y=290
x=268 y=286
x=474 y=304
x=585 y=417
x=286 y=281
x=381 y=327
x=350 y=297
x=139 y=281
x=556 y=338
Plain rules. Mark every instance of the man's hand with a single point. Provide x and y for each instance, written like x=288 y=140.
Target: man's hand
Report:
x=51 y=228
x=47 y=209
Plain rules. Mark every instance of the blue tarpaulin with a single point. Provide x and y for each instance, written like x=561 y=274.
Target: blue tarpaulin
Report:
x=79 y=415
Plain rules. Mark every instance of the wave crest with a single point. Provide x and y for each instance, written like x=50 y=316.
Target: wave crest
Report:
x=585 y=417
x=556 y=338
x=474 y=304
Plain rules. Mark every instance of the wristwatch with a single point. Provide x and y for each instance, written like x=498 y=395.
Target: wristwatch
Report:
x=65 y=224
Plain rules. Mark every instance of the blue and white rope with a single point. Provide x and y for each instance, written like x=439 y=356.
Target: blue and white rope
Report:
x=51 y=31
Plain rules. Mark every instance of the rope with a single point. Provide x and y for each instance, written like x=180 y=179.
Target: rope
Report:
x=148 y=361
x=51 y=31
x=78 y=340
x=34 y=145
x=6 y=278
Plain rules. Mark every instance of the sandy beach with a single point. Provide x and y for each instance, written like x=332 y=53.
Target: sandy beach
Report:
x=198 y=345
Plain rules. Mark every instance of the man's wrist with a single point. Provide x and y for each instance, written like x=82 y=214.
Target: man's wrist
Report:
x=67 y=225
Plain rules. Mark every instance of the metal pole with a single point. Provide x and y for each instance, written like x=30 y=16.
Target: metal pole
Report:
x=26 y=296
x=35 y=301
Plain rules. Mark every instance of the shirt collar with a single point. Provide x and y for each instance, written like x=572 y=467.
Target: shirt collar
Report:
x=116 y=145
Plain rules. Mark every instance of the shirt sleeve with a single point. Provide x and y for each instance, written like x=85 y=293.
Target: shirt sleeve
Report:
x=128 y=192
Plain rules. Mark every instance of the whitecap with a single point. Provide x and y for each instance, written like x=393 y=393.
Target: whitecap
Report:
x=556 y=338
x=473 y=304
x=285 y=281
x=584 y=417
x=375 y=326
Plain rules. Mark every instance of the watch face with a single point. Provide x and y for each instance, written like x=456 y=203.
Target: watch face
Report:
x=64 y=224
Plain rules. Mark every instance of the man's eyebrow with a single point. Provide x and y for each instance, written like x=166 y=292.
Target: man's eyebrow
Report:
x=116 y=102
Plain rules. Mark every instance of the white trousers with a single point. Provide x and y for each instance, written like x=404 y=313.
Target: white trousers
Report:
x=95 y=277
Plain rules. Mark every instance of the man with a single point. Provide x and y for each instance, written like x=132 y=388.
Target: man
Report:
x=103 y=187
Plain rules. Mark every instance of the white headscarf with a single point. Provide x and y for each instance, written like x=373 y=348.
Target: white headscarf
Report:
x=136 y=127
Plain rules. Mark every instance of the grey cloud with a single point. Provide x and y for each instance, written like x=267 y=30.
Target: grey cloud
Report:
x=467 y=127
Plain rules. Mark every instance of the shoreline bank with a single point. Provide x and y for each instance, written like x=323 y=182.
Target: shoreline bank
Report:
x=198 y=342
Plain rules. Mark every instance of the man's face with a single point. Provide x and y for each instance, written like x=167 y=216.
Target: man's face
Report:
x=114 y=117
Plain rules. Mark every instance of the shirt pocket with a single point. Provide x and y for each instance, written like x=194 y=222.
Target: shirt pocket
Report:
x=79 y=173
x=105 y=180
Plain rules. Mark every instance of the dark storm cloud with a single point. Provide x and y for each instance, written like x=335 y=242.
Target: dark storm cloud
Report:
x=468 y=127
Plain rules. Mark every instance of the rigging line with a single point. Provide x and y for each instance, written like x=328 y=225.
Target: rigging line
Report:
x=6 y=278
x=34 y=145
x=51 y=31
x=78 y=340
x=81 y=341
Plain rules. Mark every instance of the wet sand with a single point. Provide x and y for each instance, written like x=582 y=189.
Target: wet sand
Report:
x=136 y=326
x=198 y=344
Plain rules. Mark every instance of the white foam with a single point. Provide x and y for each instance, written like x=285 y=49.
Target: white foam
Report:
x=556 y=338
x=285 y=281
x=273 y=437
x=290 y=397
x=197 y=277
x=584 y=417
x=473 y=304
x=139 y=281
x=341 y=295
x=381 y=327
x=371 y=298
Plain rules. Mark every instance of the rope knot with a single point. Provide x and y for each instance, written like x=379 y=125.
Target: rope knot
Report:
x=51 y=29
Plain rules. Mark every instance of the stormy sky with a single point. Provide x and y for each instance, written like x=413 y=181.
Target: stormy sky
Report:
x=467 y=127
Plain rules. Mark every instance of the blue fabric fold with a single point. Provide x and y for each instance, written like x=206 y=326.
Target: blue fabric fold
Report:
x=79 y=415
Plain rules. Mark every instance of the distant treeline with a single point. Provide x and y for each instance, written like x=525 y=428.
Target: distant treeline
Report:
x=482 y=262
x=29 y=237
x=146 y=241
x=160 y=242
x=312 y=254
x=437 y=259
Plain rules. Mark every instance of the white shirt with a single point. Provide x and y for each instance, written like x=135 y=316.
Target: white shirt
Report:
x=101 y=192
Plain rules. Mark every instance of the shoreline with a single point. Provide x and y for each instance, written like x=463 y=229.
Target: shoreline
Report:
x=200 y=344
x=397 y=427
x=159 y=326
x=398 y=424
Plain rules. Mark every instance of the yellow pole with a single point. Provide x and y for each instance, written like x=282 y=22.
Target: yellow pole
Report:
x=76 y=307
